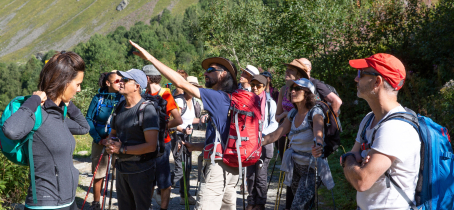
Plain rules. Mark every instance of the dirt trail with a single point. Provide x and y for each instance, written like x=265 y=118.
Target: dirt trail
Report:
x=84 y=166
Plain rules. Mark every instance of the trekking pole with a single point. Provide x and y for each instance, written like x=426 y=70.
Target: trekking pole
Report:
x=94 y=174
x=316 y=193
x=244 y=185
x=282 y=188
x=272 y=171
x=186 y=200
x=283 y=177
x=111 y=182
x=106 y=186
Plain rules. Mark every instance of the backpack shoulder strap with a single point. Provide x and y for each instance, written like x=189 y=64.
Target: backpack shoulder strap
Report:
x=293 y=113
x=162 y=91
x=197 y=107
x=407 y=117
x=141 y=110
x=268 y=103
x=185 y=104
x=401 y=191
x=117 y=109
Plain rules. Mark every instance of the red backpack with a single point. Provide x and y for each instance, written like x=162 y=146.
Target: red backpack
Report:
x=245 y=135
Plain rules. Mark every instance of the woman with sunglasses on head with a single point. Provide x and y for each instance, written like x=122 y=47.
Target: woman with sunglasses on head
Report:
x=98 y=117
x=304 y=126
x=295 y=70
x=56 y=178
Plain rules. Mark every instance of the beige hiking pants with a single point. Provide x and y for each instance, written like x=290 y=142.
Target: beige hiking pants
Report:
x=217 y=189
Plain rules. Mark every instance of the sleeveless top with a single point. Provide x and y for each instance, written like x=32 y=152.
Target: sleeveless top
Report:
x=286 y=104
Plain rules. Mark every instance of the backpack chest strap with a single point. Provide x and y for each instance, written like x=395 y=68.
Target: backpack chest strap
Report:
x=250 y=114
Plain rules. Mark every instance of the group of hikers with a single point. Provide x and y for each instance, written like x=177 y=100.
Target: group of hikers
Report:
x=136 y=124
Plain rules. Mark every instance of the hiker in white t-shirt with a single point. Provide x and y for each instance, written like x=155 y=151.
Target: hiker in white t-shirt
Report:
x=396 y=146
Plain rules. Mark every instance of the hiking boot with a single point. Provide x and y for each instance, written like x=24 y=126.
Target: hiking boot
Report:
x=191 y=200
x=259 y=207
x=250 y=207
x=95 y=205
x=157 y=197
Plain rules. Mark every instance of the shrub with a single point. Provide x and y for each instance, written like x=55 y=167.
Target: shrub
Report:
x=14 y=182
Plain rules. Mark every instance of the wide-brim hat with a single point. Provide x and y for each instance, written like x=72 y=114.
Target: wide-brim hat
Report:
x=194 y=81
x=224 y=62
x=300 y=66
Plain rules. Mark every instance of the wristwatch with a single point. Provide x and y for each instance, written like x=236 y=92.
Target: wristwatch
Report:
x=344 y=157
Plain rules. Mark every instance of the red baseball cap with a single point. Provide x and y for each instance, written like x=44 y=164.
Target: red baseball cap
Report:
x=386 y=65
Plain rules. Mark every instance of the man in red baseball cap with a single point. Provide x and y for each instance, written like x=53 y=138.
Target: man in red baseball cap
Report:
x=388 y=66
x=382 y=146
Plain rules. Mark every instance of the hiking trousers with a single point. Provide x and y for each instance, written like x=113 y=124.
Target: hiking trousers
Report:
x=257 y=177
x=134 y=190
x=178 y=171
x=217 y=189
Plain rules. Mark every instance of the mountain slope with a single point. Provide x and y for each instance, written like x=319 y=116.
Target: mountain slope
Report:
x=30 y=26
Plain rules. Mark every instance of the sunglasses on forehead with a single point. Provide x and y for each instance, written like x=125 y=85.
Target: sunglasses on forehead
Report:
x=212 y=69
x=361 y=73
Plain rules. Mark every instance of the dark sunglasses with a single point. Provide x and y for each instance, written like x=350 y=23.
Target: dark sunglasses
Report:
x=296 y=88
x=212 y=69
x=256 y=85
x=125 y=80
x=116 y=81
x=361 y=73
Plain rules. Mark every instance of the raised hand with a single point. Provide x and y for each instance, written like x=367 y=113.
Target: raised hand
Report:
x=140 y=51
x=42 y=95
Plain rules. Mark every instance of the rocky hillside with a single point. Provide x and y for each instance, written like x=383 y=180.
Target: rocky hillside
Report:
x=28 y=27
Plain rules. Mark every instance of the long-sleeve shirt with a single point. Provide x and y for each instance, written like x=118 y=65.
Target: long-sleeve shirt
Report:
x=270 y=113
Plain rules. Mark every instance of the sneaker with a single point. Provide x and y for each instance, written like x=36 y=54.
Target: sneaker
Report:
x=95 y=205
x=157 y=197
x=191 y=200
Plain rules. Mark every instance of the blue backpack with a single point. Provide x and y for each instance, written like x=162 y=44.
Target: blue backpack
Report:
x=435 y=186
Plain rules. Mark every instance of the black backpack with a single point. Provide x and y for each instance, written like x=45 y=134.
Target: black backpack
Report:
x=197 y=107
x=330 y=124
x=160 y=105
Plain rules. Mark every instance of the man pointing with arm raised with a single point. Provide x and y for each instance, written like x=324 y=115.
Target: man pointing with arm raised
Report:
x=218 y=187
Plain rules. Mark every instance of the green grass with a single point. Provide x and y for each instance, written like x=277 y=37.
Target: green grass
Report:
x=83 y=143
x=181 y=6
x=64 y=19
